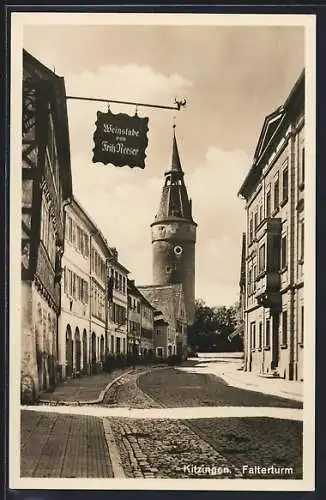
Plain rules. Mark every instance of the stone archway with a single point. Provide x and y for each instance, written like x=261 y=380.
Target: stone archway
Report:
x=77 y=351
x=85 y=351
x=69 y=352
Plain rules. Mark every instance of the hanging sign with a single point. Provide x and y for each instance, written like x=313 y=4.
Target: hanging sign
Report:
x=120 y=139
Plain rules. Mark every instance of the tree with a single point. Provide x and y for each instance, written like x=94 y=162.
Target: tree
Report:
x=212 y=327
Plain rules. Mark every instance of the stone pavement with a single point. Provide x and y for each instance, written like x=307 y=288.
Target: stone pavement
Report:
x=167 y=449
x=83 y=389
x=229 y=371
x=66 y=446
x=125 y=392
x=128 y=440
x=176 y=388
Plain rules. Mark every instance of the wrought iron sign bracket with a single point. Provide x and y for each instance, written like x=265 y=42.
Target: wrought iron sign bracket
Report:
x=179 y=103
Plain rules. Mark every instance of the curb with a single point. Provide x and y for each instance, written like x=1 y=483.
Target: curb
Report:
x=115 y=458
x=89 y=402
x=235 y=382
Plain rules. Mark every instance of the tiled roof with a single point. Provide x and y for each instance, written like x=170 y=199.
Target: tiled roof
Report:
x=166 y=298
x=134 y=290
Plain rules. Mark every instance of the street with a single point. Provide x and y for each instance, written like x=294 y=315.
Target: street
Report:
x=163 y=422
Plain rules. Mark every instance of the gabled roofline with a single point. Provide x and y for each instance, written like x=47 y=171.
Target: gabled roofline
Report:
x=135 y=290
x=269 y=119
x=285 y=108
x=95 y=231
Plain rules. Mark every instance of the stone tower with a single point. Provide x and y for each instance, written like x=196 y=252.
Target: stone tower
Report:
x=174 y=235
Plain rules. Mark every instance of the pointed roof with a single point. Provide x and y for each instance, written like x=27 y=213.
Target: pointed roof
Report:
x=176 y=163
x=270 y=125
x=174 y=199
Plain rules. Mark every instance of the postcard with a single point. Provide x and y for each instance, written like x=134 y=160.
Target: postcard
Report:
x=162 y=202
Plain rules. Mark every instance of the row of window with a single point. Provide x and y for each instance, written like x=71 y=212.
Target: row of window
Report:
x=258 y=340
x=119 y=282
x=47 y=232
x=118 y=314
x=78 y=238
x=74 y=286
x=133 y=304
x=98 y=301
x=257 y=216
x=98 y=266
x=278 y=258
x=118 y=345
x=134 y=328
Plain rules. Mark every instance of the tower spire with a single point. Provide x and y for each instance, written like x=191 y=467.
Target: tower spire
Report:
x=176 y=163
x=174 y=199
x=174 y=234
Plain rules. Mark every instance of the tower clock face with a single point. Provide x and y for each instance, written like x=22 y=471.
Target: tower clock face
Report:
x=178 y=250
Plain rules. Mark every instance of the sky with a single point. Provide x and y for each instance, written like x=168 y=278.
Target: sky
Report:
x=231 y=77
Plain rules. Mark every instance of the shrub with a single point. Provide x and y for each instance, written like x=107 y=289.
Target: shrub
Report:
x=109 y=363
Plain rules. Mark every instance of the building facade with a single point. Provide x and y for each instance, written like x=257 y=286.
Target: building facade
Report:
x=174 y=235
x=76 y=292
x=46 y=184
x=170 y=319
x=118 y=303
x=94 y=296
x=147 y=328
x=274 y=195
x=140 y=322
x=84 y=317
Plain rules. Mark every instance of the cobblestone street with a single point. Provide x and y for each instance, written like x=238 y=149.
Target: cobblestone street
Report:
x=165 y=449
x=162 y=448
x=175 y=388
x=126 y=393
x=255 y=441
x=58 y=444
